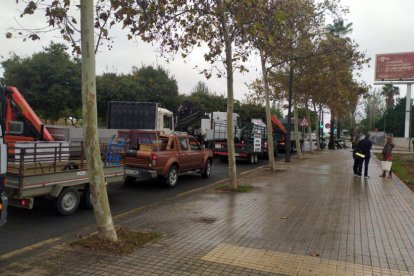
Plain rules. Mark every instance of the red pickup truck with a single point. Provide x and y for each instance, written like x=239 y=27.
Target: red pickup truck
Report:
x=153 y=154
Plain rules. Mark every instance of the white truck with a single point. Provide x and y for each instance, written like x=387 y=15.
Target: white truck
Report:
x=214 y=128
x=249 y=138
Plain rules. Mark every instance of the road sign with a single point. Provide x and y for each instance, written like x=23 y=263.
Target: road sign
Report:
x=328 y=125
x=304 y=123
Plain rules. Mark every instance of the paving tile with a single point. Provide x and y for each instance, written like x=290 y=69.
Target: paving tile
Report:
x=333 y=224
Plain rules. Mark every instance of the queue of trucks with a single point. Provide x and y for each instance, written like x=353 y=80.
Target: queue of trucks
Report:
x=141 y=142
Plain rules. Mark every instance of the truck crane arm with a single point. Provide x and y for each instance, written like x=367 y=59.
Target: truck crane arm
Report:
x=16 y=108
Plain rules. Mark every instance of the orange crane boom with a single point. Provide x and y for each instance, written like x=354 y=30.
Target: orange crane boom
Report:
x=17 y=109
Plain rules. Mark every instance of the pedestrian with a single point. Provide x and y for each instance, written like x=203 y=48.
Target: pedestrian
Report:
x=364 y=147
x=356 y=158
x=386 y=154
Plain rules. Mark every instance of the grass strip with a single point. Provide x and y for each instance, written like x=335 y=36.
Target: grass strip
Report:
x=402 y=166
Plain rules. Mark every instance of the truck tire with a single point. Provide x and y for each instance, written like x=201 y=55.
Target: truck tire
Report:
x=256 y=158
x=70 y=166
x=67 y=202
x=86 y=198
x=206 y=170
x=171 y=179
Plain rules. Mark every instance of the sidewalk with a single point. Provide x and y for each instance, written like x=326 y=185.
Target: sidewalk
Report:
x=312 y=217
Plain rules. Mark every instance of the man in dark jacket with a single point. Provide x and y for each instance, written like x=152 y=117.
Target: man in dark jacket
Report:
x=364 y=147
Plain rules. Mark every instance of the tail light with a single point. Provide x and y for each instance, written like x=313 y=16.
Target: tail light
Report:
x=23 y=202
x=154 y=159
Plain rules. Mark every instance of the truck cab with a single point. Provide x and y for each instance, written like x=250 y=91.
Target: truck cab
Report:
x=165 y=120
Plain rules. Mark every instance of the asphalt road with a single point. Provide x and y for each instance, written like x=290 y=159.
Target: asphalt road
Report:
x=26 y=227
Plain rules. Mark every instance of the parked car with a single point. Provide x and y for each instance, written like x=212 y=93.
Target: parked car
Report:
x=154 y=154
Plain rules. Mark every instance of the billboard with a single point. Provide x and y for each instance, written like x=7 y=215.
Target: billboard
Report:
x=394 y=67
x=132 y=115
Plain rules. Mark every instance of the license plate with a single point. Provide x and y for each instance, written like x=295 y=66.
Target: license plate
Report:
x=131 y=172
x=217 y=146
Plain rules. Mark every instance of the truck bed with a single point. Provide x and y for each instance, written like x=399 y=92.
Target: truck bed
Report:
x=45 y=173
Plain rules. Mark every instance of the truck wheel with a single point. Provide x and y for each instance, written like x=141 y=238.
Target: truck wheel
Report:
x=87 y=198
x=67 y=202
x=172 y=177
x=207 y=170
x=71 y=166
x=256 y=158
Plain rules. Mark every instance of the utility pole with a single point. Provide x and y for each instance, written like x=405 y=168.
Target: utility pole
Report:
x=408 y=112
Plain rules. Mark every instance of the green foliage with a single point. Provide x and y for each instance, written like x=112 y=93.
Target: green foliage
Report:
x=156 y=85
x=277 y=112
x=395 y=119
x=202 y=99
x=50 y=81
x=389 y=91
x=248 y=111
x=338 y=28
x=402 y=166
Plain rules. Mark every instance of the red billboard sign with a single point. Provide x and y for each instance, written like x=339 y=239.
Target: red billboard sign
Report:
x=391 y=67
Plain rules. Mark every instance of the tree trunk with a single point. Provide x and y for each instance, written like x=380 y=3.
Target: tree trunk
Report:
x=288 y=144
x=230 y=126
x=338 y=128
x=331 y=131
x=318 y=128
x=106 y=229
x=270 y=147
x=309 y=126
x=296 y=127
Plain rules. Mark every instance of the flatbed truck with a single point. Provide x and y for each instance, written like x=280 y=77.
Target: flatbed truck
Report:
x=56 y=170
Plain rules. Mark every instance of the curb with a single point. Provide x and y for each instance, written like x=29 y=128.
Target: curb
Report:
x=28 y=248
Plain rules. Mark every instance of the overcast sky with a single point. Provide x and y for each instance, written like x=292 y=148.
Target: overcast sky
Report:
x=379 y=26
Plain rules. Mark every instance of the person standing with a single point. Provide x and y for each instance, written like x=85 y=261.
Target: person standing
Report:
x=387 y=154
x=356 y=158
x=364 y=147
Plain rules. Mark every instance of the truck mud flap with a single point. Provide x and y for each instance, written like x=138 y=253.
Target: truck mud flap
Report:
x=3 y=209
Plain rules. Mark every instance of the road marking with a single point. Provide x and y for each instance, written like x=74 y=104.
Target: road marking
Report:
x=290 y=264
x=28 y=248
